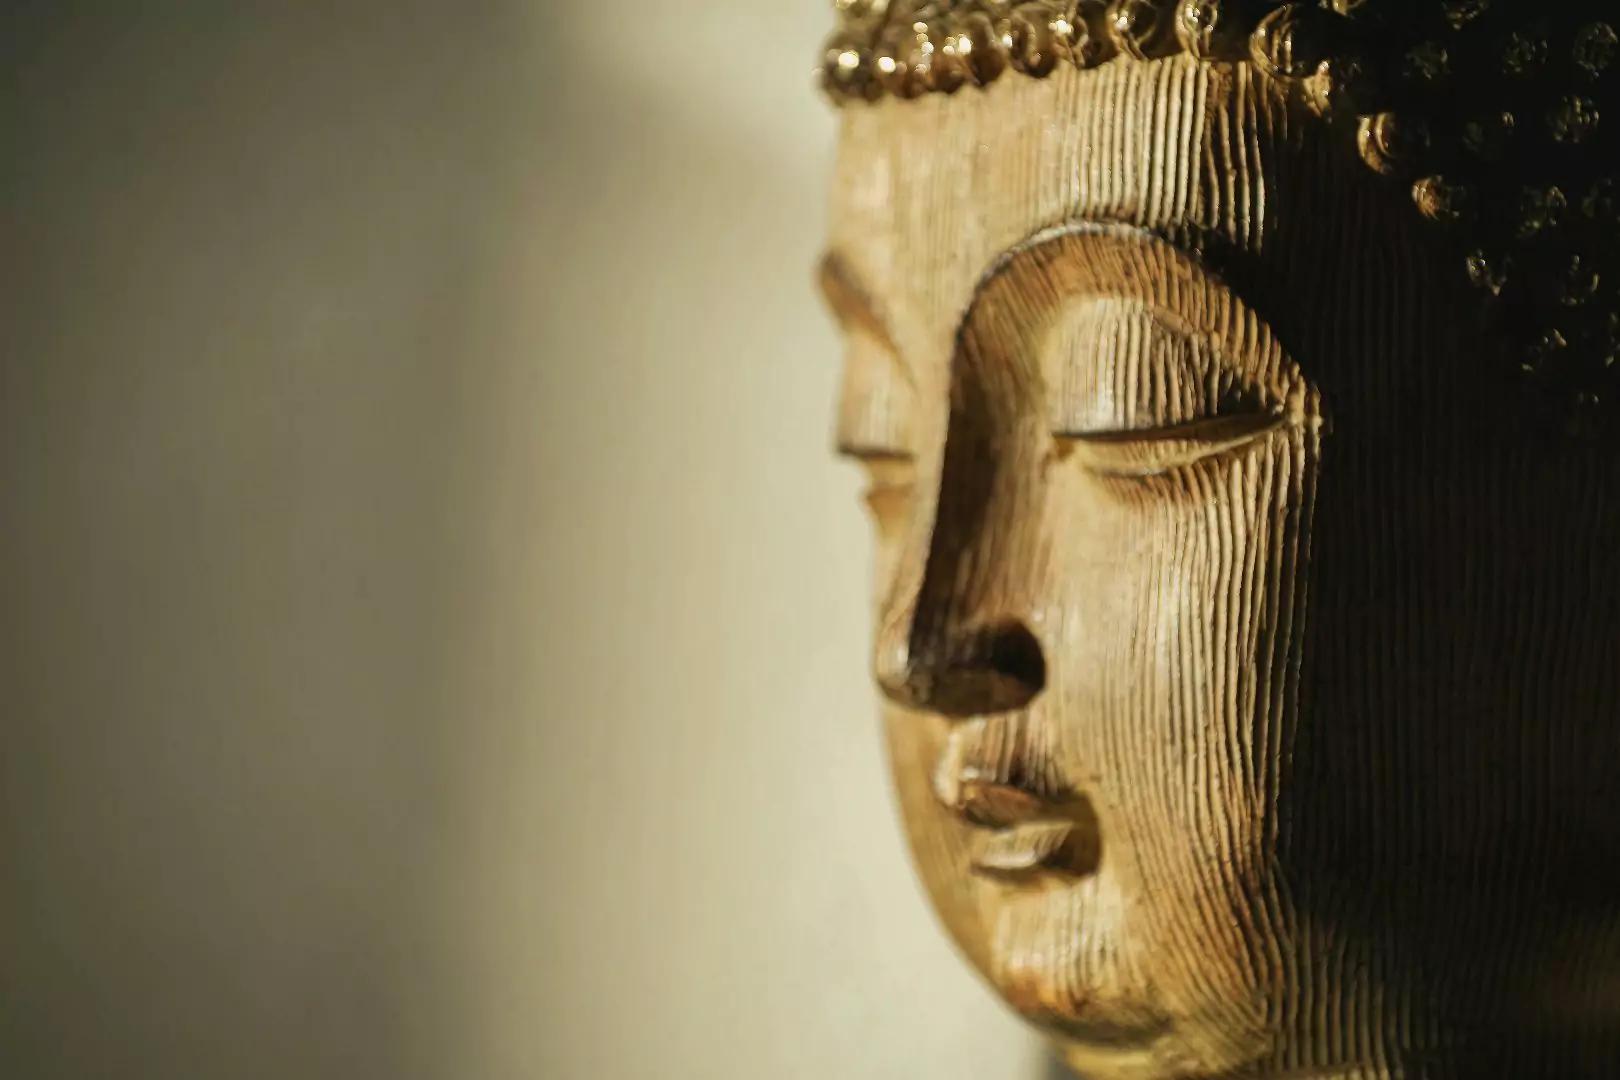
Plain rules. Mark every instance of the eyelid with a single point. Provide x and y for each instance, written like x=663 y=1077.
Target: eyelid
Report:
x=890 y=478
x=876 y=457
x=1153 y=453
x=1077 y=261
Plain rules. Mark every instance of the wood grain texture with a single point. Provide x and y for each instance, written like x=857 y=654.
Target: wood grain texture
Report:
x=1250 y=673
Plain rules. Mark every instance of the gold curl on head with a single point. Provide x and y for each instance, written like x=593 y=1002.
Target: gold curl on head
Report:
x=1518 y=166
x=905 y=48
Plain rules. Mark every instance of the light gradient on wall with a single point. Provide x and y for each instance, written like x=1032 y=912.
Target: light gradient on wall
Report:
x=435 y=624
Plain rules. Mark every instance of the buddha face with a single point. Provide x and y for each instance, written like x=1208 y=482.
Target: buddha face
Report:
x=1249 y=691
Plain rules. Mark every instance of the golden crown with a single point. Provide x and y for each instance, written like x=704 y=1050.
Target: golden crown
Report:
x=1491 y=111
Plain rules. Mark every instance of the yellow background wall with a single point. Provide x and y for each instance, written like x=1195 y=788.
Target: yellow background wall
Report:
x=434 y=623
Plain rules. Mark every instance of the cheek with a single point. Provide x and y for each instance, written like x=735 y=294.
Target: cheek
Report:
x=1176 y=669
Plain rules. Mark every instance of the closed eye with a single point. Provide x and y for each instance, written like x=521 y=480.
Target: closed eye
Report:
x=871 y=453
x=891 y=477
x=1161 y=450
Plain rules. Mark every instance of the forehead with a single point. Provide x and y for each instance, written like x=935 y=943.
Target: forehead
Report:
x=929 y=192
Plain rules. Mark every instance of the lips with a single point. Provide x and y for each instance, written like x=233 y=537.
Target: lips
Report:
x=1023 y=831
x=1032 y=851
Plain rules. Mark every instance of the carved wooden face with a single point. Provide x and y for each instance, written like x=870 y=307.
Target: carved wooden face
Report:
x=1247 y=712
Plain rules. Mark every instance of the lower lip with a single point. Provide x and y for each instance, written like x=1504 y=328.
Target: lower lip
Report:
x=1066 y=849
x=1023 y=851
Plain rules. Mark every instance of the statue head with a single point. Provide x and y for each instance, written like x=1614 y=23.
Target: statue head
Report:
x=1234 y=381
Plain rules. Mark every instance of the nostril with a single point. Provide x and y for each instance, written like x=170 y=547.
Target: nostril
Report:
x=974 y=672
x=1016 y=654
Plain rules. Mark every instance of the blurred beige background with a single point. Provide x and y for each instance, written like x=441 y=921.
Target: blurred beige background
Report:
x=434 y=625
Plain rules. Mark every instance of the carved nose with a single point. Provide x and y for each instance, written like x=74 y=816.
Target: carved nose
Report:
x=971 y=671
x=952 y=639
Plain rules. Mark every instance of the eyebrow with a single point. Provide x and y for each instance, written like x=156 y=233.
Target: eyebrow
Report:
x=853 y=307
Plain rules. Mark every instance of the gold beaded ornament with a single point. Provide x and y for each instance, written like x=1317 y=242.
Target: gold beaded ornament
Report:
x=1491 y=112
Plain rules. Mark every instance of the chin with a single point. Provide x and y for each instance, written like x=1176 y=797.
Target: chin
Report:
x=1063 y=956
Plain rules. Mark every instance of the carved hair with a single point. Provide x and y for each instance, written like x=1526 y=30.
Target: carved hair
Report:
x=1492 y=112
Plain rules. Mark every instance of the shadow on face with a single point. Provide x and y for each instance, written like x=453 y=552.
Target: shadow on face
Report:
x=1447 y=820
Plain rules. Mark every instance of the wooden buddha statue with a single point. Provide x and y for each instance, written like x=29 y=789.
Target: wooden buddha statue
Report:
x=1237 y=386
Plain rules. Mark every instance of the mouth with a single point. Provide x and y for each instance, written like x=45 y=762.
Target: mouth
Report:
x=1041 y=849
x=1023 y=832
